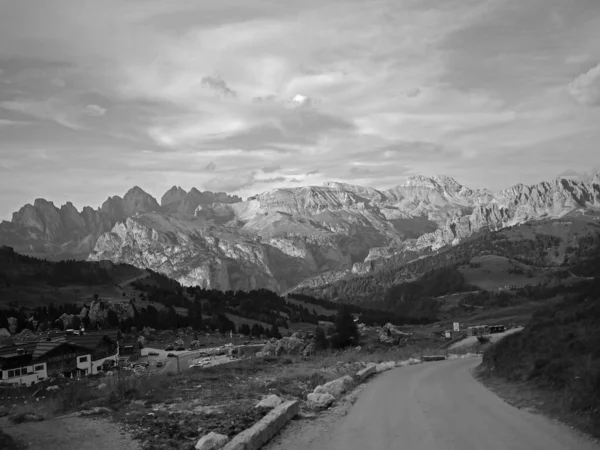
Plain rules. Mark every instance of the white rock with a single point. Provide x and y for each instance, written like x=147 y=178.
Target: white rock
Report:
x=319 y=401
x=269 y=402
x=211 y=441
x=336 y=387
x=385 y=366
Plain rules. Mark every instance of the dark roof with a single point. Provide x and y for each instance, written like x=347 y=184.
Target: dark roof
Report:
x=91 y=339
x=29 y=347
x=44 y=347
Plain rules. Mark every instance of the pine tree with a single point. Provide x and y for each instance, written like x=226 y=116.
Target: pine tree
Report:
x=321 y=342
x=346 y=331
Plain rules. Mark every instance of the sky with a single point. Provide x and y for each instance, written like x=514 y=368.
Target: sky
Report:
x=244 y=96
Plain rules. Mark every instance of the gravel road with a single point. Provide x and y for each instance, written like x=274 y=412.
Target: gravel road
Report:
x=432 y=406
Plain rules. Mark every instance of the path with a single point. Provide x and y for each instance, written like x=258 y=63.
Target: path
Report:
x=71 y=433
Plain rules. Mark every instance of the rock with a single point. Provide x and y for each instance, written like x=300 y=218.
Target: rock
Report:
x=289 y=346
x=13 y=324
x=211 y=441
x=259 y=434
x=385 y=366
x=309 y=349
x=365 y=373
x=4 y=333
x=389 y=334
x=319 y=401
x=102 y=386
x=179 y=343
x=142 y=340
x=270 y=402
x=336 y=387
x=268 y=349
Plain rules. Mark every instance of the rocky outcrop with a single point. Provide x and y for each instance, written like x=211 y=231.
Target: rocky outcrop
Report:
x=389 y=334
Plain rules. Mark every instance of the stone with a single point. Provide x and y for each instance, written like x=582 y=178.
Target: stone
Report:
x=12 y=325
x=319 y=401
x=4 y=333
x=365 y=373
x=336 y=387
x=211 y=441
x=270 y=402
x=259 y=434
x=385 y=366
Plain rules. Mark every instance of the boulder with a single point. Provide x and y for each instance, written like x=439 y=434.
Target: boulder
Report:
x=142 y=340
x=336 y=387
x=389 y=334
x=13 y=324
x=289 y=346
x=211 y=441
x=385 y=366
x=319 y=401
x=268 y=349
x=309 y=349
x=4 y=333
x=269 y=402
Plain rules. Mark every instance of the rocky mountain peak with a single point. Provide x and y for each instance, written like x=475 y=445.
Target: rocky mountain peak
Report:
x=136 y=200
x=173 y=196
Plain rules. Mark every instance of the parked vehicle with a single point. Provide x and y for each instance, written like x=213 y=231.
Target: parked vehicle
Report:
x=171 y=355
x=180 y=349
x=159 y=364
x=169 y=348
x=153 y=354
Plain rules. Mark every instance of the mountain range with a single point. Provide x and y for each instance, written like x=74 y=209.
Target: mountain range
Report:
x=283 y=237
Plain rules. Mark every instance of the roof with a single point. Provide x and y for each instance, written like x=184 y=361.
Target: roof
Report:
x=11 y=350
x=44 y=347
x=91 y=339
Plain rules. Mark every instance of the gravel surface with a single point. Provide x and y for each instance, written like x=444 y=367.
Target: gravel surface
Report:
x=71 y=433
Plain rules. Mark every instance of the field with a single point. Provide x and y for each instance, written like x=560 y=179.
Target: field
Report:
x=492 y=272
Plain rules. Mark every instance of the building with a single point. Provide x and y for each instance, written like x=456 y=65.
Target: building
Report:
x=32 y=362
x=60 y=354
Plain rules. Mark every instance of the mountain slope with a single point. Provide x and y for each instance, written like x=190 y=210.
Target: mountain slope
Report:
x=284 y=237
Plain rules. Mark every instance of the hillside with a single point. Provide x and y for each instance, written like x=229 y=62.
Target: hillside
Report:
x=543 y=252
x=284 y=238
x=558 y=351
x=40 y=295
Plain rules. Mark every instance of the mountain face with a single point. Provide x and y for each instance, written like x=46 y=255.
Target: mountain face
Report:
x=283 y=237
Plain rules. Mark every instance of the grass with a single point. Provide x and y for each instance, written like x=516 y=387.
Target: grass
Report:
x=558 y=351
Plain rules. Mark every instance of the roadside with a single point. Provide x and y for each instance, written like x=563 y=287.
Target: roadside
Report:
x=525 y=396
x=69 y=433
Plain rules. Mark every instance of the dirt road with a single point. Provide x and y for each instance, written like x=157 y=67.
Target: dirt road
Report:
x=433 y=406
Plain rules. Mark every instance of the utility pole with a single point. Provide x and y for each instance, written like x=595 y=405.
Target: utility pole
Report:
x=178 y=370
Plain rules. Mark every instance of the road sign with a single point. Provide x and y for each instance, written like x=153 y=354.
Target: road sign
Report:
x=456 y=326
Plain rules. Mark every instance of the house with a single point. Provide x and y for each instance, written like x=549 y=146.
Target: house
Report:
x=31 y=362
x=102 y=346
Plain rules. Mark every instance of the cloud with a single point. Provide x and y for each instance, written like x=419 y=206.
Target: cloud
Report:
x=211 y=167
x=219 y=86
x=585 y=89
x=272 y=168
x=94 y=110
x=474 y=89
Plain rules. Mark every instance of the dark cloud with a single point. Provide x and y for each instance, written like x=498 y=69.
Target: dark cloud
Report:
x=218 y=85
x=360 y=171
x=271 y=168
x=312 y=172
x=211 y=167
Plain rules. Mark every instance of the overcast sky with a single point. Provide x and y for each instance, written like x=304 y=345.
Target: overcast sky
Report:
x=246 y=95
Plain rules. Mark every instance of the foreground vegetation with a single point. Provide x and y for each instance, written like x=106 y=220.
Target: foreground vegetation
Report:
x=557 y=351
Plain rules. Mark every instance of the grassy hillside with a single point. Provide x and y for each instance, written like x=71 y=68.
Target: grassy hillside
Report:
x=558 y=350
x=536 y=253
